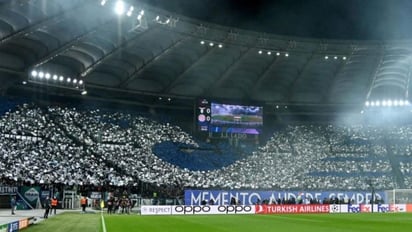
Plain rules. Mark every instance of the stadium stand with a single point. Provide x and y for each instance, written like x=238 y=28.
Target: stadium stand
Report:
x=62 y=145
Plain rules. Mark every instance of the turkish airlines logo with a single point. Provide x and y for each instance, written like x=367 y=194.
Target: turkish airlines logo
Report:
x=260 y=209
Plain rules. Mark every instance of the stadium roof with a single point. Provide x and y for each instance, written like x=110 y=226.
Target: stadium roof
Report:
x=156 y=54
x=328 y=19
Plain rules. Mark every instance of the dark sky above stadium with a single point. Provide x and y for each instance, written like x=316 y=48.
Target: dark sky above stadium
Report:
x=329 y=19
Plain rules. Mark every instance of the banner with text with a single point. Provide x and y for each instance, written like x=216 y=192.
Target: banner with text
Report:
x=31 y=194
x=8 y=190
x=272 y=209
x=367 y=208
x=251 y=197
x=291 y=209
x=197 y=209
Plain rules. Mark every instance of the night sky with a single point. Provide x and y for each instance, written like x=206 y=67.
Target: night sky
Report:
x=328 y=19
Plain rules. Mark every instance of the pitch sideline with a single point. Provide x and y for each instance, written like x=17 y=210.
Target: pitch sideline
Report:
x=103 y=223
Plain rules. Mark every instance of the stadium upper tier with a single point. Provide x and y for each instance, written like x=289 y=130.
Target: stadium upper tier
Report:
x=124 y=51
x=56 y=145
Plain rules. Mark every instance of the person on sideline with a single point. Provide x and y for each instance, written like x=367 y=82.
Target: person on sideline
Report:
x=13 y=204
x=47 y=206
x=83 y=203
x=54 y=203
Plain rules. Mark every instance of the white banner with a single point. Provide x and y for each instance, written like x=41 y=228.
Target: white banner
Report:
x=197 y=209
x=252 y=209
x=367 y=208
x=334 y=208
x=156 y=210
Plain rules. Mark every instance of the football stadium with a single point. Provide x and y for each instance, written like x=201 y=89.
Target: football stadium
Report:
x=205 y=115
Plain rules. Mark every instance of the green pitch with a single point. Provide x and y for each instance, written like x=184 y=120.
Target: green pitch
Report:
x=70 y=222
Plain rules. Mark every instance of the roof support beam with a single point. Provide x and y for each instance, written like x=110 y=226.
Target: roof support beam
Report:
x=264 y=74
x=226 y=74
x=181 y=76
x=33 y=27
x=300 y=73
x=113 y=52
x=151 y=62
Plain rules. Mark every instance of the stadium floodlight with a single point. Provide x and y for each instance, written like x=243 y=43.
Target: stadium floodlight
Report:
x=69 y=80
x=326 y=57
x=47 y=76
x=24 y=82
x=75 y=81
x=55 y=77
x=278 y=53
x=103 y=2
x=395 y=103
x=34 y=73
x=269 y=53
x=84 y=92
x=220 y=45
x=390 y=103
x=401 y=103
x=167 y=21
x=335 y=57
x=81 y=82
x=407 y=103
x=344 y=58
x=211 y=44
x=367 y=104
x=41 y=75
x=141 y=12
x=384 y=103
x=287 y=54
x=139 y=17
x=202 y=42
x=157 y=18
x=372 y=103
x=119 y=7
x=378 y=103
x=61 y=78
x=129 y=13
x=260 y=52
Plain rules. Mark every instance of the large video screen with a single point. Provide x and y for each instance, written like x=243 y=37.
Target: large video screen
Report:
x=236 y=118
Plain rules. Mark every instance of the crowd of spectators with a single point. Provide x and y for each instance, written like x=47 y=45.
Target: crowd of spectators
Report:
x=61 y=145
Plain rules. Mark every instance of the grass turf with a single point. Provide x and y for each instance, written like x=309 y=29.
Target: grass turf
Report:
x=69 y=222
x=226 y=223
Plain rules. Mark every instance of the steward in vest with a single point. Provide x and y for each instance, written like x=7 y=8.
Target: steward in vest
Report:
x=83 y=204
x=54 y=204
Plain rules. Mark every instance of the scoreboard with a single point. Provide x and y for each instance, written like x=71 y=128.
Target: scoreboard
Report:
x=203 y=114
x=221 y=118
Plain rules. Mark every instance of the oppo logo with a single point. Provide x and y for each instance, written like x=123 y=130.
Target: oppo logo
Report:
x=192 y=209
x=234 y=209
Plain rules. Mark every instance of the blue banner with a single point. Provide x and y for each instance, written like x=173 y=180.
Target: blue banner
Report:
x=13 y=226
x=250 y=197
